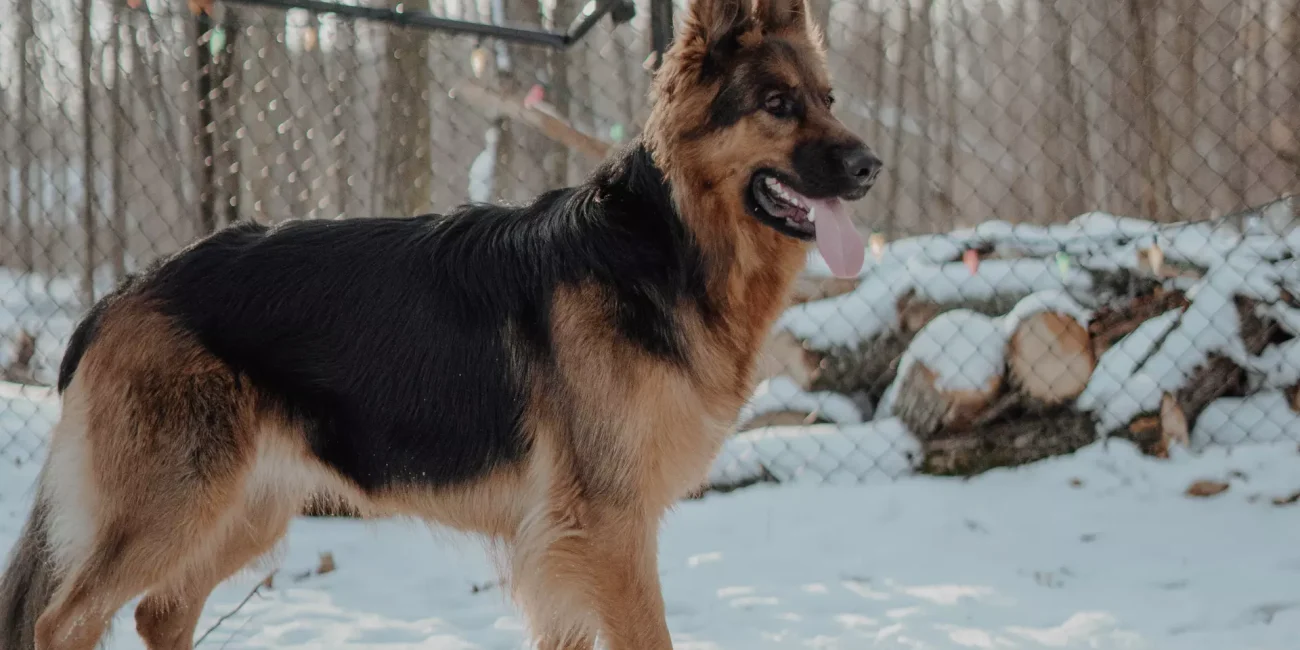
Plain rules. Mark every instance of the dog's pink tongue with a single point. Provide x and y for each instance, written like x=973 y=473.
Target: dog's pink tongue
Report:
x=837 y=239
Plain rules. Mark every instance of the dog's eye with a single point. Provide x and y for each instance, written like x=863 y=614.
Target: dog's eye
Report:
x=778 y=104
x=830 y=100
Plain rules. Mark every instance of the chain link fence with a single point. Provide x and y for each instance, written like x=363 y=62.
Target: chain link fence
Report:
x=1082 y=229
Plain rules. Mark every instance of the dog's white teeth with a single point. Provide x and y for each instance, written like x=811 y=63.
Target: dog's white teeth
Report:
x=812 y=214
x=771 y=182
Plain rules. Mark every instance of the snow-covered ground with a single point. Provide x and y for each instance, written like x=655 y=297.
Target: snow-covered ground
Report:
x=1098 y=550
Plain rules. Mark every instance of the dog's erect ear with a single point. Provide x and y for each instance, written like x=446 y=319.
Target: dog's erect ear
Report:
x=715 y=26
x=777 y=15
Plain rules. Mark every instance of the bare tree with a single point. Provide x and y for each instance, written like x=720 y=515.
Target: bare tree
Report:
x=1156 y=200
x=343 y=89
x=559 y=94
x=523 y=155
x=894 y=197
x=958 y=27
x=1286 y=128
x=1252 y=81
x=1217 y=107
x=117 y=145
x=204 y=124
x=406 y=171
x=226 y=82
x=925 y=48
x=1058 y=123
x=28 y=89
x=9 y=149
x=88 y=157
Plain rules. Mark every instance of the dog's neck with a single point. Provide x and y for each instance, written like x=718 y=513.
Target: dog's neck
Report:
x=749 y=268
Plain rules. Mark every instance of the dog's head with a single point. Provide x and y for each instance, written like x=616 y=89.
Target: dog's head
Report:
x=743 y=112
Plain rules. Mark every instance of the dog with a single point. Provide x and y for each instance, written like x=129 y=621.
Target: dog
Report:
x=551 y=377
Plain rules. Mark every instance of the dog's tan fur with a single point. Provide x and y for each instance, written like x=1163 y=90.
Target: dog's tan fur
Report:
x=184 y=480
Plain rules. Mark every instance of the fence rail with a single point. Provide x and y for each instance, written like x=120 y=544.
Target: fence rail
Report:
x=129 y=127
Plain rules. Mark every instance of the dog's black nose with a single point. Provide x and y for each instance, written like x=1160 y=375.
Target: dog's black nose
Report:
x=860 y=164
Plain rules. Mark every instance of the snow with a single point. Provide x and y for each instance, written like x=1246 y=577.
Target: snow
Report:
x=26 y=414
x=1164 y=352
x=1262 y=417
x=1100 y=549
x=964 y=349
x=481 y=171
x=871 y=308
x=1116 y=370
x=783 y=394
x=1036 y=303
x=46 y=307
x=879 y=450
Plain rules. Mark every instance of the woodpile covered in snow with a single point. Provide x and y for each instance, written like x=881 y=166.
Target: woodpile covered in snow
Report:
x=1005 y=344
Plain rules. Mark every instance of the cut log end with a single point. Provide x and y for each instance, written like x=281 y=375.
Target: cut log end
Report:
x=927 y=409
x=1051 y=357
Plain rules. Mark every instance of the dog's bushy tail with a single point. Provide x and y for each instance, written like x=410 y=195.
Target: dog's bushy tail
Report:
x=29 y=581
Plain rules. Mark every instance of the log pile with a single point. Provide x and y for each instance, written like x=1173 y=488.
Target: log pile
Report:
x=1017 y=376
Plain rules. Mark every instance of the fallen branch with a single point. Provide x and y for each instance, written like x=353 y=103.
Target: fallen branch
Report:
x=265 y=583
x=493 y=105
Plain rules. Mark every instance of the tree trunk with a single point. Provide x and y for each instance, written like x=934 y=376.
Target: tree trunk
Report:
x=1118 y=181
x=1156 y=199
x=406 y=180
x=1062 y=171
x=259 y=57
x=1020 y=107
x=28 y=90
x=525 y=157
x=1185 y=123
x=343 y=90
x=895 y=194
x=926 y=100
x=558 y=94
x=158 y=106
x=205 y=184
x=225 y=82
x=1217 y=107
x=1252 y=81
x=958 y=30
x=88 y=158
x=10 y=150
x=117 y=137
x=1286 y=120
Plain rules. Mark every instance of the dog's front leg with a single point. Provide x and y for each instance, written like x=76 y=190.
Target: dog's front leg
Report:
x=594 y=573
x=623 y=565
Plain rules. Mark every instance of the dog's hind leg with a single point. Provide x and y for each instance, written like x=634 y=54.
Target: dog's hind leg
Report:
x=146 y=472
x=133 y=549
x=166 y=618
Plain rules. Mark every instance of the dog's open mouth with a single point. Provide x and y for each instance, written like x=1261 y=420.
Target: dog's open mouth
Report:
x=825 y=220
x=782 y=205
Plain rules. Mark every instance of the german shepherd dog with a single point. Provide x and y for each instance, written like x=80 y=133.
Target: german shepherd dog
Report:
x=553 y=377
